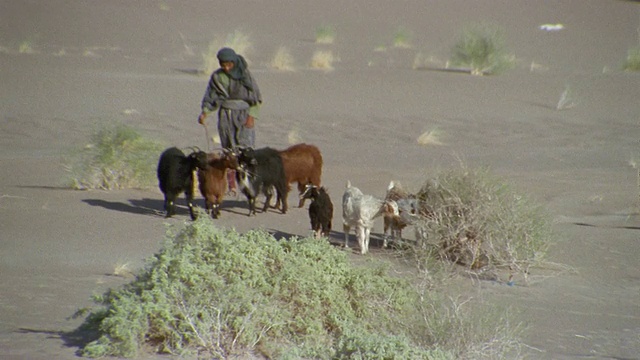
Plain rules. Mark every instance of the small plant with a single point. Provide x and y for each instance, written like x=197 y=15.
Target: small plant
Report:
x=283 y=60
x=402 y=38
x=433 y=137
x=322 y=59
x=26 y=47
x=632 y=63
x=117 y=157
x=325 y=34
x=567 y=99
x=481 y=49
x=236 y=40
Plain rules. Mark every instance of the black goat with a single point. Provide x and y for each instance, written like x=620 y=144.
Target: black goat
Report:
x=175 y=175
x=258 y=171
x=320 y=210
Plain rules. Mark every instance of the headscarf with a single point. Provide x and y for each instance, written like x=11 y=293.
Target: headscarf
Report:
x=239 y=66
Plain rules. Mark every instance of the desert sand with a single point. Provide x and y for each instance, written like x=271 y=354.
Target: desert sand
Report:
x=69 y=66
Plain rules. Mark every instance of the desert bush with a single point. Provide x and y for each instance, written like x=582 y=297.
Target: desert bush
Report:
x=236 y=40
x=325 y=34
x=219 y=293
x=283 y=60
x=474 y=219
x=632 y=62
x=322 y=59
x=117 y=157
x=481 y=49
x=402 y=38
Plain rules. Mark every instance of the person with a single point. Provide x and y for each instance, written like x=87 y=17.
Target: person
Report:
x=234 y=92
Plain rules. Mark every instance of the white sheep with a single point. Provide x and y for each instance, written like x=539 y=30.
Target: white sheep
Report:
x=359 y=211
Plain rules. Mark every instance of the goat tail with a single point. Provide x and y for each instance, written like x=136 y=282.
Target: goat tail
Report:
x=348 y=184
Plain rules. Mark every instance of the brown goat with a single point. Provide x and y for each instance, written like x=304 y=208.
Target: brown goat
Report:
x=302 y=164
x=395 y=223
x=212 y=178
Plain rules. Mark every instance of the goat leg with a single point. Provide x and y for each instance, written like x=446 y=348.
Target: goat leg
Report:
x=346 y=229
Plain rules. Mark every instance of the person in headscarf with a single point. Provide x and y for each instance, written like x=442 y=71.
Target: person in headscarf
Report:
x=233 y=91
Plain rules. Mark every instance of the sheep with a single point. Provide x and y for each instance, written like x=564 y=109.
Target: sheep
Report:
x=320 y=210
x=302 y=164
x=407 y=207
x=259 y=171
x=359 y=211
x=175 y=175
x=212 y=179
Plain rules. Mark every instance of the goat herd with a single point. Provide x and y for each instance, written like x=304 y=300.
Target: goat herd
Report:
x=263 y=170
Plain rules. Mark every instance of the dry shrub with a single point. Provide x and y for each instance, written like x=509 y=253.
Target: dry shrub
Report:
x=476 y=220
x=236 y=40
x=283 y=60
x=322 y=59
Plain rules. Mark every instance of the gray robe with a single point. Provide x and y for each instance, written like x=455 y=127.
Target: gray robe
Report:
x=233 y=103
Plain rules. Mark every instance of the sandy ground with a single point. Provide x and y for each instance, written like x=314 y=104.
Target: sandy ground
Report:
x=96 y=62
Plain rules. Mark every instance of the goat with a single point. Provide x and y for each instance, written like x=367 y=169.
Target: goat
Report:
x=175 y=175
x=212 y=179
x=320 y=210
x=359 y=211
x=302 y=164
x=407 y=207
x=259 y=171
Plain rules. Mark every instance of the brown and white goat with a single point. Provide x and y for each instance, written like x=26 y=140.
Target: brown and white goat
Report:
x=212 y=178
x=359 y=211
x=407 y=207
x=302 y=164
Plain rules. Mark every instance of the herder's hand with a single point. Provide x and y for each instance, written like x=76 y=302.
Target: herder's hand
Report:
x=202 y=117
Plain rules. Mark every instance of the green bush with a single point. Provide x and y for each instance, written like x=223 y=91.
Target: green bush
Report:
x=325 y=34
x=481 y=49
x=218 y=293
x=475 y=219
x=117 y=157
x=632 y=63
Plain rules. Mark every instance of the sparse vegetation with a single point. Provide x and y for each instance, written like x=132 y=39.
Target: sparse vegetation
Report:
x=567 y=99
x=325 y=34
x=402 y=38
x=481 y=49
x=236 y=40
x=632 y=62
x=117 y=157
x=432 y=137
x=26 y=47
x=473 y=219
x=220 y=294
x=283 y=60
x=322 y=59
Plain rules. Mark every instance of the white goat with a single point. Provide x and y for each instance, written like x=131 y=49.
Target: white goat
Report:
x=359 y=211
x=407 y=208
